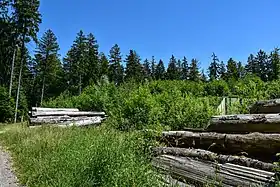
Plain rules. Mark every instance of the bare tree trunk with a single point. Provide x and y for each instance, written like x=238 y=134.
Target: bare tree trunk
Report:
x=18 y=88
x=12 y=71
x=80 y=85
x=43 y=90
x=20 y=75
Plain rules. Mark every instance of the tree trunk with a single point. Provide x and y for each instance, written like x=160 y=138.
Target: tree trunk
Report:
x=66 y=120
x=39 y=109
x=12 y=71
x=80 y=84
x=199 y=172
x=66 y=113
x=19 y=82
x=266 y=107
x=256 y=145
x=244 y=123
x=43 y=89
x=210 y=156
x=20 y=74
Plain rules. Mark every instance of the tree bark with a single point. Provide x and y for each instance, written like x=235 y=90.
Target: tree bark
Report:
x=20 y=76
x=199 y=172
x=256 y=145
x=66 y=120
x=39 y=109
x=43 y=89
x=66 y=113
x=266 y=107
x=244 y=123
x=214 y=157
x=12 y=71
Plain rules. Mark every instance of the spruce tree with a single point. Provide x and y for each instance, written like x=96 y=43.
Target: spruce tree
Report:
x=232 y=69
x=251 y=67
x=222 y=70
x=47 y=60
x=103 y=65
x=194 y=71
x=91 y=67
x=214 y=68
x=160 y=71
x=147 y=69
x=134 y=68
x=116 y=70
x=75 y=63
x=153 y=67
x=274 y=65
x=172 y=71
x=185 y=69
x=262 y=65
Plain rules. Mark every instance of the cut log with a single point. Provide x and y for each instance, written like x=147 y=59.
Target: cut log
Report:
x=199 y=172
x=256 y=145
x=67 y=113
x=66 y=120
x=39 y=109
x=214 y=157
x=244 y=123
x=266 y=107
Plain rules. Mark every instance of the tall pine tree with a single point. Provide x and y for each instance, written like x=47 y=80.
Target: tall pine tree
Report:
x=232 y=71
x=194 y=70
x=75 y=63
x=185 y=69
x=172 y=70
x=214 y=68
x=134 y=68
x=116 y=70
x=160 y=71
x=47 y=64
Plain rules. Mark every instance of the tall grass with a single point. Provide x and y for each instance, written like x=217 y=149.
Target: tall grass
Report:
x=50 y=156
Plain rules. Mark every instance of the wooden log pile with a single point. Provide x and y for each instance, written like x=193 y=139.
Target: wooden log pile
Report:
x=64 y=117
x=234 y=150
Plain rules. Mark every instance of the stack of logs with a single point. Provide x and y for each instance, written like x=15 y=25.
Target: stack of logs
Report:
x=64 y=117
x=234 y=150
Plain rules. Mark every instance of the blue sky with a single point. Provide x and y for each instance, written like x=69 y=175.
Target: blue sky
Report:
x=191 y=28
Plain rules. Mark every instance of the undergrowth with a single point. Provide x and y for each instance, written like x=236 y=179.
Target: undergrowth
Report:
x=50 y=156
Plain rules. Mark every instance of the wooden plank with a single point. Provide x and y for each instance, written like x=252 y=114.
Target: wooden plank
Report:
x=40 y=109
x=244 y=123
x=67 y=113
x=214 y=157
x=266 y=107
x=199 y=172
x=254 y=145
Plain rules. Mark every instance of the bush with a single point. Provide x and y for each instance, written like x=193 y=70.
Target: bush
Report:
x=80 y=157
x=6 y=106
x=153 y=105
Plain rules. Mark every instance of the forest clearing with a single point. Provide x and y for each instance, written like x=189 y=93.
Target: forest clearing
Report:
x=97 y=113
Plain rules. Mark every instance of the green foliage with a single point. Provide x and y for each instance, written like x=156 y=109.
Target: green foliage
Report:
x=159 y=104
x=50 y=156
x=6 y=105
x=217 y=88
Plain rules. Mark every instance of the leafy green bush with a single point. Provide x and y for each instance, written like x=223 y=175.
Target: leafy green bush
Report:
x=6 y=106
x=50 y=156
x=152 y=105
